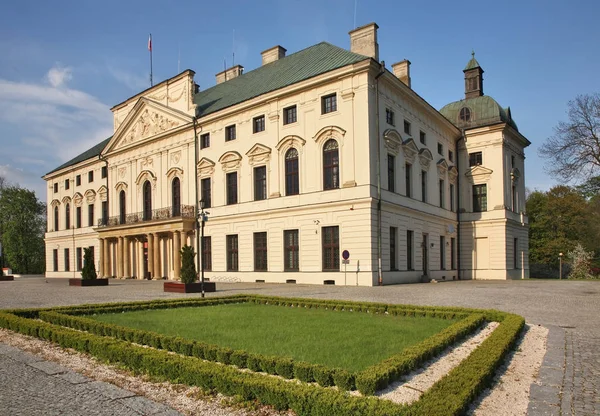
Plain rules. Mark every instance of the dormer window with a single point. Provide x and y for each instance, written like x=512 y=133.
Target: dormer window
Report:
x=475 y=159
x=465 y=114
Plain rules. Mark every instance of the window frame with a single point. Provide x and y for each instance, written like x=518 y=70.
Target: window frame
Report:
x=79 y=255
x=391 y=170
x=291 y=251
x=442 y=252
x=204 y=140
x=207 y=253
x=407 y=127
x=56 y=218
x=232 y=250
x=78 y=222
x=331 y=166
x=206 y=192
x=393 y=248
x=258 y=124
x=442 y=190
x=91 y=215
x=67 y=185
x=261 y=258
x=78 y=180
x=67 y=259
x=452 y=253
x=408 y=179
x=230 y=133
x=451 y=191
x=55 y=259
x=103 y=172
x=290 y=115
x=440 y=149
x=389 y=117
x=424 y=186
x=260 y=183
x=475 y=159
x=410 y=240
x=479 y=198
x=422 y=137
x=292 y=172
x=329 y=103
x=231 y=193
x=55 y=187
x=90 y=176
x=67 y=216
x=330 y=251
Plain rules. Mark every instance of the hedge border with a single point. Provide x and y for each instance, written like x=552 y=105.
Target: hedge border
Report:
x=450 y=395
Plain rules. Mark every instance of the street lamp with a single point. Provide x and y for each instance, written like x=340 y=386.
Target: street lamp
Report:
x=560 y=256
x=202 y=217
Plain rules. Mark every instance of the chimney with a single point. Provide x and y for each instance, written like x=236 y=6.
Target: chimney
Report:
x=402 y=71
x=273 y=54
x=230 y=73
x=363 y=41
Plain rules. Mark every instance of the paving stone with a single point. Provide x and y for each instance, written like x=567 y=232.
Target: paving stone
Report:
x=546 y=394
x=148 y=407
x=543 y=409
x=550 y=376
x=109 y=390
x=73 y=377
x=7 y=349
x=49 y=367
x=24 y=357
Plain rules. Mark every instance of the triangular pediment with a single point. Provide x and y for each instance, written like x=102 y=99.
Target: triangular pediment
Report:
x=206 y=167
x=410 y=149
x=442 y=166
x=478 y=171
x=258 y=153
x=392 y=140
x=147 y=120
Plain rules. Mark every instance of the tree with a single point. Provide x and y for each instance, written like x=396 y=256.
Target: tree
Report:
x=89 y=270
x=188 y=268
x=22 y=226
x=573 y=151
x=580 y=263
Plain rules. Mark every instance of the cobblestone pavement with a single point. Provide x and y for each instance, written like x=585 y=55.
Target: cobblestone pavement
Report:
x=570 y=375
x=33 y=386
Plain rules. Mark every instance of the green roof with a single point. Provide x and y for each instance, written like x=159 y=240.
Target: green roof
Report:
x=88 y=154
x=484 y=110
x=472 y=64
x=307 y=63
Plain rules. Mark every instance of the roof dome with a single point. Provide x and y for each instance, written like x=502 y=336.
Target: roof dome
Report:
x=477 y=112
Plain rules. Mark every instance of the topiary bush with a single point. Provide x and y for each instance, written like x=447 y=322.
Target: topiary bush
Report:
x=89 y=271
x=188 y=268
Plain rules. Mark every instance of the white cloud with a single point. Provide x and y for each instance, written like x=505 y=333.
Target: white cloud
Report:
x=59 y=75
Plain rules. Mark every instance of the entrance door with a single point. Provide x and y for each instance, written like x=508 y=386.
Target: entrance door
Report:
x=146 y=271
x=425 y=246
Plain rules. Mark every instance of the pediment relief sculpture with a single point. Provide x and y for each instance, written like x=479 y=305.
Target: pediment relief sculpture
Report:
x=146 y=175
x=90 y=196
x=452 y=173
x=425 y=157
x=258 y=153
x=478 y=172
x=149 y=123
x=206 y=167
x=290 y=141
x=78 y=199
x=442 y=167
x=410 y=150
x=230 y=161
x=392 y=140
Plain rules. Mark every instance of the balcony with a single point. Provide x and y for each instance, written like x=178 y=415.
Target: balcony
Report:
x=160 y=214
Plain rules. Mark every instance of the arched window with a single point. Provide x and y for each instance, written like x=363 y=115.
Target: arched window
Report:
x=122 y=207
x=176 y=197
x=465 y=114
x=67 y=216
x=147 y=201
x=56 y=218
x=331 y=165
x=292 y=182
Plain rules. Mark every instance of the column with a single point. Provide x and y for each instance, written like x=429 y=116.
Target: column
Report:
x=106 y=259
x=150 y=238
x=101 y=262
x=126 y=258
x=176 y=255
x=119 y=257
x=156 y=252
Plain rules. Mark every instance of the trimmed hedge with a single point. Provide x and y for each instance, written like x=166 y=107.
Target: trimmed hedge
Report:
x=450 y=395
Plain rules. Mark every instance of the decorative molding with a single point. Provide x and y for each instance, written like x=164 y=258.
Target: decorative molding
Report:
x=90 y=196
x=206 y=167
x=392 y=140
x=258 y=153
x=176 y=157
x=144 y=176
x=77 y=199
x=515 y=174
x=149 y=123
x=103 y=192
x=230 y=161
x=175 y=172
x=479 y=174
x=425 y=157
x=410 y=150
x=274 y=116
x=121 y=186
x=170 y=98
x=54 y=203
x=330 y=132
x=66 y=200
x=121 y=172
x=442 y=167
x=452 y=173
x=290 y=141
x=146 y=162
x=347 y=95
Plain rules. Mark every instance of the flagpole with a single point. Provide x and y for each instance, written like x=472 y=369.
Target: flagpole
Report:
x=150 y=49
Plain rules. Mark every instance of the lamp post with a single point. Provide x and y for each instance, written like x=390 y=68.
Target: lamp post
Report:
x=560 y=255
x=202 y=218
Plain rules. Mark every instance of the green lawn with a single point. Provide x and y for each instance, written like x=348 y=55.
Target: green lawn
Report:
x=349 y=340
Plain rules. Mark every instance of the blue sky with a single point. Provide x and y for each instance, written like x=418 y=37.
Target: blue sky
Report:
x=63 y=64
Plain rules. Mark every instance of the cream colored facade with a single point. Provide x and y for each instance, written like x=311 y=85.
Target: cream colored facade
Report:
x=369 y=207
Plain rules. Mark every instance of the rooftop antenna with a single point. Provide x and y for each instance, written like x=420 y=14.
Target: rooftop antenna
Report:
x=225 y=67
x=355 y=4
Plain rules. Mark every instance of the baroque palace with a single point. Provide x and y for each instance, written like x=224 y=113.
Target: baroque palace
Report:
x=315 y=153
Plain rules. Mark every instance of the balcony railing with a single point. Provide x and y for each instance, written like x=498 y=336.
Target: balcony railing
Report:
x=181 y=211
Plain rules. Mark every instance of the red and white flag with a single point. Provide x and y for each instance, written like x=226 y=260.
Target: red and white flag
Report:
x=150 y=43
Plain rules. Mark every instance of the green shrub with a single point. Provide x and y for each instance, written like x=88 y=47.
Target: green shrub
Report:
x=89 y=270
x=322 y=375
x=239 y=358
x=343 y=379
x=303 y=372
x=224 y=355
x=284 y=367
x=188 y=268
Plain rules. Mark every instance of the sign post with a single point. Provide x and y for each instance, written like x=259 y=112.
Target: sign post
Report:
x=345 y=261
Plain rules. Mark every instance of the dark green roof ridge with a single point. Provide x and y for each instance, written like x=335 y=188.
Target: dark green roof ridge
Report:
x=88 y=154
x=299 y=66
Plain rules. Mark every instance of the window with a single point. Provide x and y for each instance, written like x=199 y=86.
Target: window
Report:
x=512 y=161
x=258 y=124
x=66 y=184
x=408 y=179
x=105 y=212
x=452 y=254
x=67 y=262
x=393 y=233
x=452 y=197
x=55 y=188
x=331 y=165
x=207 y=253
x=465 y=113
x=122 y=207
x=331 y=249
x=232 y=192
x=205 y=192
x=232 y=253
x=391 y=173
x=176 y=197
x=515 y=253
x=475 y=159
x=328 y=104
x=440 y=149
x=442 y=252
x=514 y=198
x=290 y=115
x=104 y=172
x=442 y=196
x=479 y=198
x=78 y=217
x=79 y=259
x=291 y=251
x=450 y=155
x=292 y=179
x=147 y=192
x=55 y=259
x=424 y=186
x=389 y=116
x=409 y=249
x=422 y=137
x=230 y=133
x=260 y=252
x=67 y=216
x=78 y=180
x=260 y=183
x=90 y=215
x=56 y=218
x=407 y=127
x=205 y=141
x=90 y=176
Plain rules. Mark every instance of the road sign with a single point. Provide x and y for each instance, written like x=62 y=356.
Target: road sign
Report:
x=345 y=255
x=345 y=261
